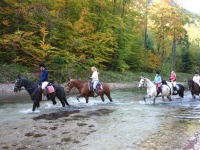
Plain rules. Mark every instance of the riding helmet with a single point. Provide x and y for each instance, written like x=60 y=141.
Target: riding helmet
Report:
x=42 y=65
x=157 y=72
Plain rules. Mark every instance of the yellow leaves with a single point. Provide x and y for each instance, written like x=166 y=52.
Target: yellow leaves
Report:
x=5 y=22
x=153 y=61
x=83 y=25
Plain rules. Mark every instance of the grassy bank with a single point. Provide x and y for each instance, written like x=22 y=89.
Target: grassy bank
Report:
x=9 y=74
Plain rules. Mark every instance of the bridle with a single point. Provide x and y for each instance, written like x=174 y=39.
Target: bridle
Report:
x=69 y=86
x=18 y=84
x=143 y=82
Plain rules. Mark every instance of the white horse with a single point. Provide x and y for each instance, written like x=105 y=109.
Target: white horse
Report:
x=151 y=90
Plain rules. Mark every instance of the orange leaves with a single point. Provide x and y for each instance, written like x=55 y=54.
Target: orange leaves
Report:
x=153 y=61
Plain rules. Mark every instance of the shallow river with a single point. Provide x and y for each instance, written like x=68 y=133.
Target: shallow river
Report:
x=125 y=124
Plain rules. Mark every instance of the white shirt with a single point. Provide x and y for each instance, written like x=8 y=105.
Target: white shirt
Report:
x=196 y=79
x=95 y=75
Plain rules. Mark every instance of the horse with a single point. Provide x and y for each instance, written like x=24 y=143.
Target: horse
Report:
x=85 y=90
x=36 y=94
x=194 y=88
x=179 y=89
x=151 y=89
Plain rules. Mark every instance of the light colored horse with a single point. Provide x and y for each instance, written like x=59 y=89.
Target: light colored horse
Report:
x=151 y=89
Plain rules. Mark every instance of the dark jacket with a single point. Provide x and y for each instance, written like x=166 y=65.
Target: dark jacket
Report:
x=43 y=76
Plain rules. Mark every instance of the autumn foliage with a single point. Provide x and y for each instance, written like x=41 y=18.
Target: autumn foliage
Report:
x=116 y=35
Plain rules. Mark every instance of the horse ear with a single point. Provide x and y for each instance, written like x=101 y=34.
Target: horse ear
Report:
x=19 y=76
x=68 y=78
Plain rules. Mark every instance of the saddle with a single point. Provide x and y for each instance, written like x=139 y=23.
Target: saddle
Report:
x=49 y=88
x=99 y=86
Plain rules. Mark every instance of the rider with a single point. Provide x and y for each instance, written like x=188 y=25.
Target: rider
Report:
x=158 y=82
x=95 y=80
x=196 y=78
x=173 y=80
x=44 y=79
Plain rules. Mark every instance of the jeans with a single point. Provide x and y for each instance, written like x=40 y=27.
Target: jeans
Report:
x=95 y=83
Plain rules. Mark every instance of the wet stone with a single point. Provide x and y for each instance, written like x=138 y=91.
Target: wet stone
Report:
x=81 y=124
x=22 y=148
x=101 y=112
x=39 y=135
x=66 y=139
x=53 y=128
x=43 y=127
x=76 y=141
x=55 y=116
x=29 y=134
x=5 y=147
x=65 y=132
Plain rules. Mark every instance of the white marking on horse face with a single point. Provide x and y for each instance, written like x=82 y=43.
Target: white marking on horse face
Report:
x=141 y=83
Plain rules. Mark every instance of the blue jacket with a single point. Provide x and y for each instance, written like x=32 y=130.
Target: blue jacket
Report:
x=158 y=79
x=43 y=76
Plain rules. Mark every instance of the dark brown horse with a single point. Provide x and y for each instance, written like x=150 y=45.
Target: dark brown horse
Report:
x=194 y=88
x=84 y=89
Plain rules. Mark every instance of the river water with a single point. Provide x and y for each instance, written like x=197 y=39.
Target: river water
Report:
x=125 y=124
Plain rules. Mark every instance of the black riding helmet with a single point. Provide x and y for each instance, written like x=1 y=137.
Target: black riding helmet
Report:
x=42 y=65
x=157 y=72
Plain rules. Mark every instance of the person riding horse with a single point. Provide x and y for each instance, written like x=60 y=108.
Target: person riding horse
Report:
x=44 y=79
x=95 y=80
x=173 y=80
x=196 y=78
x=158 y=82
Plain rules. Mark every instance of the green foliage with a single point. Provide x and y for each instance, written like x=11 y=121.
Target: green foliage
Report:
x=73 y=35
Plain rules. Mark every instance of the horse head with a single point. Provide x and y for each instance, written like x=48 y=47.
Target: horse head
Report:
x=18 y=84
x=69 y=86
x=142 y=82
x=190 y=84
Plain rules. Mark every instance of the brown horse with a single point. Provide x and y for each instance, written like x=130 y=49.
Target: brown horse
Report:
x=194 y=88
x=84 y=89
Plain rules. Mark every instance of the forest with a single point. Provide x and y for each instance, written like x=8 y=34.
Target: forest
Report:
x=71 y=36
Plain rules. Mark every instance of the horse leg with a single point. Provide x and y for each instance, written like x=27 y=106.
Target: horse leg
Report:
x=65 y=100
x=102 y=98
x=86 y=99
x=169 y=97
x=53 y=101
x=109 y=97
x=154 y=100
x=78 y=98
x=163 y=99
x=35 y=104
x=144 y=99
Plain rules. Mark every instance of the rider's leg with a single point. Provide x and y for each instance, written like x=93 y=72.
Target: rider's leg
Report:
x=95 y=87
x=44 y=85
x=174 y=87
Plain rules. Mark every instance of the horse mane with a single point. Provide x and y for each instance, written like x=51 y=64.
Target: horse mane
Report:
x=77 y=80
x=29 y=83
x=148 y=80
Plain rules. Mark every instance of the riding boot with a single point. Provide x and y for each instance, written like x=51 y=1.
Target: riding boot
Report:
x=45 y=94
x=175 y=91
x=158 y=90
x=95 y=93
